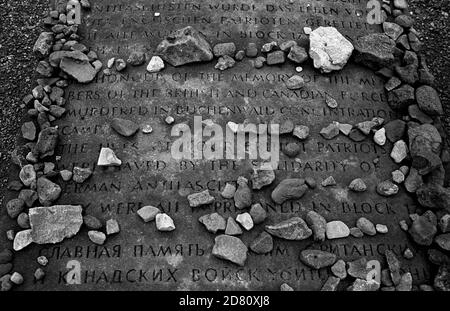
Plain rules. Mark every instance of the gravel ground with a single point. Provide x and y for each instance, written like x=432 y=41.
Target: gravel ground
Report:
x=19 y=28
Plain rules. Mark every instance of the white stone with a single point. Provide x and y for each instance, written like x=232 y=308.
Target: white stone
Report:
x=380 y=137
x=398 y=177
x=329 y=49
x=336 y=230
x=111 y=62
x=16 y=278
x=107 y=157
x=156 y=64
x=345 y=128
x=148 y=213
x=381 y=228
x=299 y=69
x=112 y=227
x=164 y=223
x=42 y=260
x=169 y=120
x=399 y=152
x=234 y=127
x=307 y=30
x=245 y=220
x=22 y=240
x=147 y=129
x=97 y=237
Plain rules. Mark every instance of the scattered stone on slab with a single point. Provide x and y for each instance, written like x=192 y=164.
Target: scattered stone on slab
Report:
x=80 y=175
x=184 y=46
x=51 y=225
x=16 y=278
x=14 y=207
x=245 y=220
x=147 y=129
x=22 y=239
x=291 y=150
x=301 y=132
x=48 y=191
x=365 y=286
x=356 y=232
x=331 y=284
x=392 y=30
x=286 y=46
x=5 y=283
x=259 y=62
x=164 y=222
x=81 y=70
x=394 y=266
x=383 y=229
x=366 y=226
x=330 y=101
x=120 y=64
x=262 y=244
x=239 y=55
x=428 y=100
x=345 y=128
x=294 y=228
x=375 y=51
x=329 y=49
x=107 y=157
x=317 y=259
x=392 y=84
x=405 y=284
x=43 y=45
x=112 y=227
x=66 y=175
x=339 y=269
x=148 y=213
x=289 y=189
x=262 y=176
x=39 y=274
x=124 y=127
x=169 y=120
x=442 y=279
x=298 y=54
x=402 y=97
x=358 y=185
x=225 y=62
x=414 y=181
x=97 y=237
x=336 y=230
x=213 y=222
x=251 y=50
x=318 y=224
x=46 y=144
x=29 y=131
x=156 y=64
x=358 y=268
x=268 y=47
x=200 y=198
x=286 y=288
x=398 y=177
x=387 y=188
x=258 y=213
x=380 y=137
x=243 y=194
x=222 y=49
x=23 y=221
x=408 y=254
x=232 y=227
x=331 y=131
x=443 y=241
x=295 y=82
x=328 y=182
x=228 y=191
x=230 y=248
x=275 y=58
x=136 y=58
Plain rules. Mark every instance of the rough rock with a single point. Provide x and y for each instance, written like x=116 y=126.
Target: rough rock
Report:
x=336 y=230
x=6 y=256
x=262 y=176
x=395 y=130
x=51 y=225
x=29 y=131
x=414 y=181
x=23 y=221
x=5 y=283
x=292 y=229
x=107 y=157
x=366 y=226
x=444 y=223
x=358 y=185
x=112 y=227
x=328 y=182
x=339 y=269
x=14 y=207
x=317 y=259
x=434 y=196
x=318 y=224
x=331 y=284
x=358 y=268
x=243 y=194
x=443 y=241
x=230 y=248
x=43 y=45
x=251 y=50
x=298 y=54
x=156 y=64
x=258 y=213
x=200 y=198
x=185 y=46
x=356 y=232
x=365 y=286
x=92 y=223
x=286 y=288
x=383 y=229
x=164 y=222
x=301 y=132
x=263 y=243
x=291 y=150
x=416 y=114
x=429 y=101
x=289 y=189
x=136 y=58
x=213 y=222
x=245 y=220
x=148 y=213
x=97 y=237
x=380 y=137
x=232 y=227
x=228 y=191
x=422 y=231
x=405 y=284
x=331 y=131
x=225 y=62
x=387 y=188
x=124 y=127
x=16 y=278
x=82 y=71
x=402 y=97
x=375 y=51
x=48 y=191
x=329 y=49
x=295 y=82
x=221 y=49
x=275 y=58
x=46 y=143
x=80 y=175
x=392 y=30
x=331 y=102
x=442 y=279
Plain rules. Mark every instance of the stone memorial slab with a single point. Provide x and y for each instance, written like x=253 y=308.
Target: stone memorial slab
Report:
x=140 y=257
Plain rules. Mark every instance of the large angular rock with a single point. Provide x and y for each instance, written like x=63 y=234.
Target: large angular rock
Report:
x=294 y=228
x=289 y=189
x=185 y=46
x=317 y=259
x=425 y=144
x=434 y=196
x=213 y=222
x=375 y=51
x=43 y=45
x=329 y=49
x=401 y=98
x=232 y=227
x=48 y=191
x=51 y=225
x=107 y=157
x=429 y=101
x=80 y=70
x=56 y=57
x=358 y=268
x=46 y=143
x=230 y=248
x=423 y=231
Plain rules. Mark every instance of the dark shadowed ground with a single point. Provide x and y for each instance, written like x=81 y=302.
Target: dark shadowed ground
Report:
x=20 y=22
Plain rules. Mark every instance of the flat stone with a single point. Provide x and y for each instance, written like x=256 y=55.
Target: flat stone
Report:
x=365 y=286
x=112 y=227
x=286 y=288
x=401 y=97
x=221 y=49
x=22 y=239
x=294 y=228
x=317 y=259
x=404 y=21
x=199 y=199
x=230 y=248
x=263 y=243
x=28 y=196
x=80 y=175
x=405 y=284
x=356 y=232
x=392 y=30
x=336 y=230
x=148 y=213
x=392 y=84
x=92 y=223
x=213 y=222
x=358 y=268
x=289 y=189
x=383 y=229
x=366 y=226
x=97 y=237
x=262 y=177
x=380 y=137
x=434 y=196
x=286 y=46
x=268 y=47
x=156 y=64
x=339 y=269
x=124 y=127
x=258 y=213
x=295 y=82
x=251 y=50
x=243 y=194
x=6 y=256
x=23 y=221
x=331 y=131
x=318 y=224
x=48 y=192
x=232 y=227
x=185 y=46
x=346 y=129
x=164 y=223
x=245 y=220
x=82 y=71
x=66 y=175
x=331 y=102
x=428 y=101
x=414 y=181
x=107 y=157
x=51 y=225
x=329 y=49
x=375 y=51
